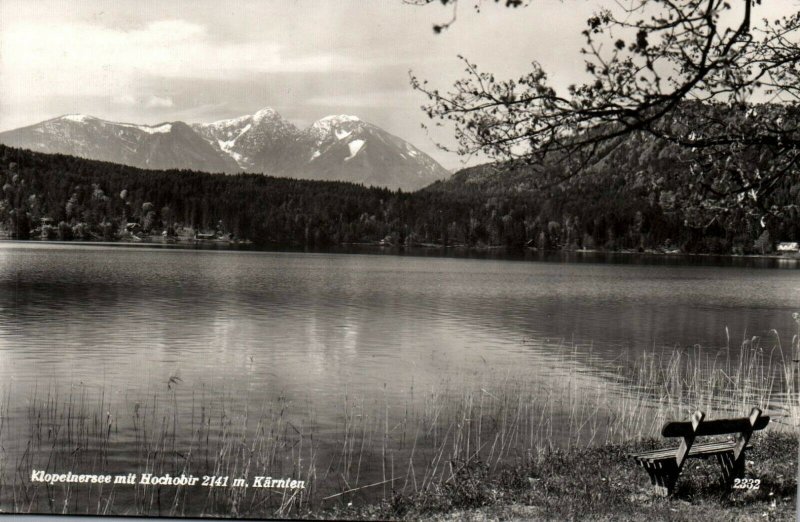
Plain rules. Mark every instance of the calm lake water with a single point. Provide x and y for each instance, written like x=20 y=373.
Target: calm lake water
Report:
x=124 y=327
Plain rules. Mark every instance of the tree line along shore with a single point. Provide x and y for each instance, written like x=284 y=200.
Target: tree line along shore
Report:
x=58 y=197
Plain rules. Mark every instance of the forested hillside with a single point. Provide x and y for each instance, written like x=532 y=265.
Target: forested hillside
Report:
x=646 y=191
x=63 y=197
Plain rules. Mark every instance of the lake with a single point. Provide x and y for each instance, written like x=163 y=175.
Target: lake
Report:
x=352 y=358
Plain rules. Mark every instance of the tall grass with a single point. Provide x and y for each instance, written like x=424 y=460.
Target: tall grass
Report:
x=376 y=447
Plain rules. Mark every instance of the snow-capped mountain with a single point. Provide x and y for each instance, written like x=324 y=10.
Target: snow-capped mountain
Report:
x=345 y=147
x=262 y=142
x=247 y=139
x=163 y=146
x=341 y=148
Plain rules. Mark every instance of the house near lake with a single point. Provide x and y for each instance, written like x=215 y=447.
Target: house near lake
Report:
x=789 y=246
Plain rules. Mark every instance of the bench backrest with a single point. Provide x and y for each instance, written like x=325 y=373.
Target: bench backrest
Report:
x=715 y=427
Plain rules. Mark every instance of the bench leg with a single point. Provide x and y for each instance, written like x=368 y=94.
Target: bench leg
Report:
x=663 y=476
x=731 y=468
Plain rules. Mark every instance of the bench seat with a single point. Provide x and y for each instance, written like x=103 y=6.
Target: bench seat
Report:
x=706 y=449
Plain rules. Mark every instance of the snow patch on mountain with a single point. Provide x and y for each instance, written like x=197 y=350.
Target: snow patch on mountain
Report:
x=355 y=147
x=83 y=118
x=267 y=112
x=161 y=129
x=78 y=118
x=238 y=158
x=227 y=146
x=156 y=129
x=338 y=118
x=341 y=134
x=224 y=124
x=412 y=151
x=325 y=125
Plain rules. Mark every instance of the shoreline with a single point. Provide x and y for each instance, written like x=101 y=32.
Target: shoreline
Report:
x=599 y=483
x=235 y=245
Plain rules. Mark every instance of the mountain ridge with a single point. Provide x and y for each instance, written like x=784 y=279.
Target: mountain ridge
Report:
x=334 y=148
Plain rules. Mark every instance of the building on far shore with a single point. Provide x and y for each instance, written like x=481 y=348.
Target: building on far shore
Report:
x=789 y=246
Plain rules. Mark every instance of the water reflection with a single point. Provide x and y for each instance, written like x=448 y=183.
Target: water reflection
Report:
x=317 y=330
x=326 y=320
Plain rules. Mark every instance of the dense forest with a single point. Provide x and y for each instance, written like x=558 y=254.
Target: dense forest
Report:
x=68 y=198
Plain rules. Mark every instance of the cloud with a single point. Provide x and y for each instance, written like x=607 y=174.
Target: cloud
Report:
x=373 y=99
x=157 y=102
x=81 y=59
x=125 y=99
x=149 y=102
x=172 y=48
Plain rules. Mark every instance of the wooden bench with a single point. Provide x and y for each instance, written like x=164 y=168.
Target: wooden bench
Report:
x=665 y=465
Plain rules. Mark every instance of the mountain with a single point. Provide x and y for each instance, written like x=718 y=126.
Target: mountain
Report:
x=334 y=148
x=262 y=142
x=348 y=149
x=163 y=146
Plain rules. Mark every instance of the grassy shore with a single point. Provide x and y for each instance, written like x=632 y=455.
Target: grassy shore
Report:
x=601 y=483
x=553 y=448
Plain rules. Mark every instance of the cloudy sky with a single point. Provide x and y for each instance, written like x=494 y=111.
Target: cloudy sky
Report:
x=150 y=61
x=154 y=61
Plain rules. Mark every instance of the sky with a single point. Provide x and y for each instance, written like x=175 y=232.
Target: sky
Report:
x=151 y=61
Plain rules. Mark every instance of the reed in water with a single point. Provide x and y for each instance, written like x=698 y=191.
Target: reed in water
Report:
x=382 y=450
